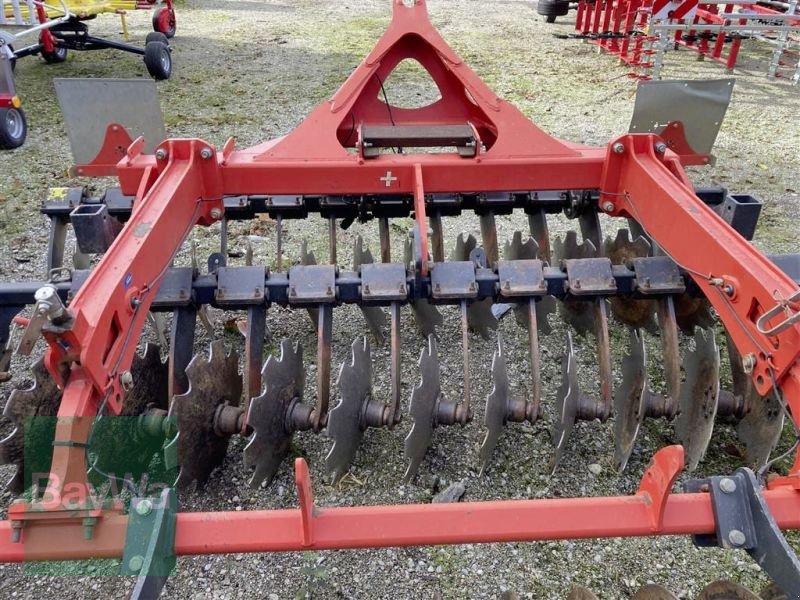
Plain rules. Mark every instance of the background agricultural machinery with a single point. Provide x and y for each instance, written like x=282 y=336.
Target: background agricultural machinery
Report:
x=61 y=28
x=641 y=33
x=356 y=160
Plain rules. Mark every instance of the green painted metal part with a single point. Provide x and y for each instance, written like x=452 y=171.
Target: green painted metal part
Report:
x=149 y=550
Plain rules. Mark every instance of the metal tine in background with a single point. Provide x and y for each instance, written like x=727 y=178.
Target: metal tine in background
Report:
x=479 y=313
x=41 y=399
x=502 y=406
x=546 y=305
x=760 y=427
x=426 y=315
x=332 y=240
x=537 y=223
x=308 y=258
x=277 y=413
x=181 y=348
x=386 y=242
x=429 y=409
x=279 y=243
x=373 y=315
x=589 y=221
x=158 y=323
x=437 y=236
x=200 y=445
x=588 y=316
x=254 y=339
x=324 y=339
x=489 y=237
x=699 y=397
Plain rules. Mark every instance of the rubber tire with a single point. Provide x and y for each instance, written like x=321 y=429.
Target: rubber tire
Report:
x=550 y=9
x=12 y=139
x=156 y=36
x=158 y=60
x=168 y=28
x=52 y=58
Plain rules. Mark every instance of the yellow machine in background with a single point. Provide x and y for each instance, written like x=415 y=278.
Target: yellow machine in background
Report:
x=62 y=27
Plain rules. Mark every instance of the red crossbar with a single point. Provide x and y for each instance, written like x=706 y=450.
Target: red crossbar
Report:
x=651 y=511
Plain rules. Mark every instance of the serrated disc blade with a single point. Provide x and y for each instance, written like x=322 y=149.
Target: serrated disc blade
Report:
x=760 y=429
x=634 y=312
x=422 y=410
x=726 y=590
x=699 y=397
x=773 y=592
x=345 y=423
x=283 y=379
x=517 y=249
x=577 y=313
x=496 y=405
x=578 y=592
x=426 y=315
x=629 y=400
x=373 y=315
x=32 y=411
x=213 y=382
x=692 y=312
x=654 y=592
x=567 y=399
x=118 y=448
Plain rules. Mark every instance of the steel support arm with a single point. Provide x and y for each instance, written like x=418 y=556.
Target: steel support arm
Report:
x=89 y=354
x=739 y=281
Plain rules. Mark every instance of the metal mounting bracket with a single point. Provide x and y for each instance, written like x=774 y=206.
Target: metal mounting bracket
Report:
x=744 y=521
x=150 y=543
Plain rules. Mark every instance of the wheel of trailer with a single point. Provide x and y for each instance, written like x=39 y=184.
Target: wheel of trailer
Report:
x=58 y=55
x=156 y=36
x=550 y=9
x=158 y=60
x=164 y=21
x=13 y=128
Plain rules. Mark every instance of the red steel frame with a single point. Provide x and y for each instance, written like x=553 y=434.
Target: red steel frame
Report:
x=182 y=184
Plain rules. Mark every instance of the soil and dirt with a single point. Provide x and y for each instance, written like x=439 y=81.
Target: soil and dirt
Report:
x=253 y=70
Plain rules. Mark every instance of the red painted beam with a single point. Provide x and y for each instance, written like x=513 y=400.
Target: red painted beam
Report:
x=402 y=525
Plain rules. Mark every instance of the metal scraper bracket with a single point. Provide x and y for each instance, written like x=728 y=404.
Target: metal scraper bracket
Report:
x=188 y=182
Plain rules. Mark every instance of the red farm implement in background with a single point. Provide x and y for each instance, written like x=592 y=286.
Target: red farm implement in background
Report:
x=641 y=32
x=356 y=159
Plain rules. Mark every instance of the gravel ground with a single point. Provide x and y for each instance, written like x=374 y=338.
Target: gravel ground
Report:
x=253 y=70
